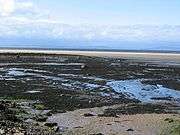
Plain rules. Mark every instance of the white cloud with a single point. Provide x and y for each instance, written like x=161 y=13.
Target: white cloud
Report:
x=22 y=18
x=24 y=5
x=7 y=7
x=15 y=7
x=44 y=28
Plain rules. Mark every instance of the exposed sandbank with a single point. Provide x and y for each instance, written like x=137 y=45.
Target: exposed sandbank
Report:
x=157 y=56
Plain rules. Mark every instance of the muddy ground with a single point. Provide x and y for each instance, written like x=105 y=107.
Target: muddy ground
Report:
x=60 y=83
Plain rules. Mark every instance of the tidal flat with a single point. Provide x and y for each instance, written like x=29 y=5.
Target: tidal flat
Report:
x=76 y=94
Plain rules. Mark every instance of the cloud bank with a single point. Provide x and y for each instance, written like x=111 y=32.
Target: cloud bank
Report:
x=22 y=19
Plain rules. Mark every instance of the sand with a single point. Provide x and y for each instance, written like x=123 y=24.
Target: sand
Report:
x=165 y=57
x=75 y=123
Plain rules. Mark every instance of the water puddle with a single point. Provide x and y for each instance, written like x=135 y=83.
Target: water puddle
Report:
x=144 y=92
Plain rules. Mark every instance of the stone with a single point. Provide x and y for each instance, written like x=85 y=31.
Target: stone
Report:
x=130 y=129
x=2 y=131
x=41 y=119
x=50 y=124
x=88 y=115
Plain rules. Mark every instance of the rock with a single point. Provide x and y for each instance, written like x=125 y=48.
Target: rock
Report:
x=169 y=120
x=2 y=131
x=56 y=129
x=36 y=124
x=88 y=115
x=29 y=120
x=2 y=124
x=49 y=113
x=59 y=111
x=62 y=129
x=11 y=123
x=2 y=107
x=78 y=127
x=130 y=130
x=97 y=134
x=12 y=117
x=18 y=56
x=50 y=124
x=84 y=66
x=41 y=119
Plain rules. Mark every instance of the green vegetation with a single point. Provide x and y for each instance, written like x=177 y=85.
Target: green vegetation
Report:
x=172 y=128
x=175 y=128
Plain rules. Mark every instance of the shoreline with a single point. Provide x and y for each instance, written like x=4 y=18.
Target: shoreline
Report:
x=155 y=56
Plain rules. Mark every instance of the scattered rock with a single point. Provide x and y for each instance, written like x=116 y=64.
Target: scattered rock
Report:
x=97 y=134
x=29 y=120
x=12 y=125
x=88 y=115
x=49 y=113
x=78 y=127
x=12 y=117
x=108 y=114
x=170 y=120
x=117 y=121
x=2 y=131
x=130 y=130
x=62 y=129
x=2 y=107
x=58 y=111
x=41 y=118
x=56 y=128
x=50 y=124
x=84 y=66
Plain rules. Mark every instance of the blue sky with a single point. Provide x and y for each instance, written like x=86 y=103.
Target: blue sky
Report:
x=123 y=12
x=34 y=22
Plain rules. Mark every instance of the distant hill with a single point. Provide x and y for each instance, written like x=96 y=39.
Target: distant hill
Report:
x=100 y=45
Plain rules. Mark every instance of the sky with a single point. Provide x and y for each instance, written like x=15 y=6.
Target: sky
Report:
x=120 y=12
x=103 y=23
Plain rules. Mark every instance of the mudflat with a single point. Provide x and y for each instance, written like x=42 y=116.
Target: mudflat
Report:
x=55 y=93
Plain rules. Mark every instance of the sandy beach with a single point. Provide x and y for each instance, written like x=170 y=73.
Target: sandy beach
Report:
x=165 y=57
x=141 y=124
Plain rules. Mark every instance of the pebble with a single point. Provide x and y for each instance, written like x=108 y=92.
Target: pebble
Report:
x=130 y=129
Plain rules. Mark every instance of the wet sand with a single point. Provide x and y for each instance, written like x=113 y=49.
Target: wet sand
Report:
x=140 y=124
x=150 y=56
